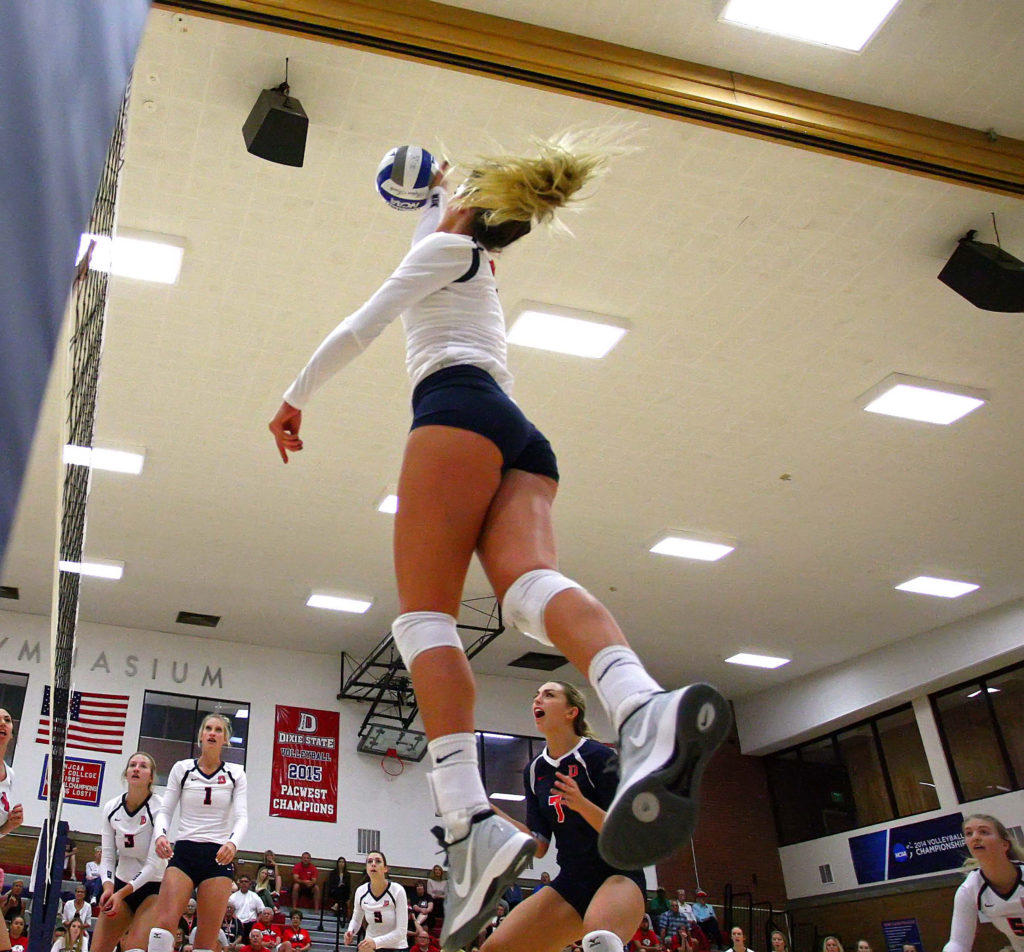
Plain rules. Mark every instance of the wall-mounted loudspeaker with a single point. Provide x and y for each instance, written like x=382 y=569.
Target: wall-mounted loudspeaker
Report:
x=986 y=275
x=276 y=127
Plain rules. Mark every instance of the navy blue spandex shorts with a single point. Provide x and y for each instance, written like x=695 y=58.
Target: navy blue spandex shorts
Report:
x=469 y=398
x=578 y=886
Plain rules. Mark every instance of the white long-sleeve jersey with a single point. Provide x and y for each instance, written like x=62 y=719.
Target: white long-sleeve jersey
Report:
x=213 y=808
x=7 y=800
x=128 y=843
x=977 y=901
x=386 y=916
x=447 y=296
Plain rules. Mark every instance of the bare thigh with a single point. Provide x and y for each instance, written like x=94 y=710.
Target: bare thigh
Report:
x=145 y=919
x=518 y=535
x=109 y=930
x=543 y=922
x=618 y=906
x=448 y=481
x=212 y=901
x=175 y=892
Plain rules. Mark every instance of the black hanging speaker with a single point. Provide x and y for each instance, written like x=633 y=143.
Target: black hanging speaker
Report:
x=276 y=127
x=986 y=275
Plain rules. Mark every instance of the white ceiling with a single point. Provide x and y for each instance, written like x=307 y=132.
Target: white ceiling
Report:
x=766 y=287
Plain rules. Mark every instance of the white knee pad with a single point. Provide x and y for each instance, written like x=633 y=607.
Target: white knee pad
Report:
x=601 y=940
x=527 y=598
x=160 y=940
x=416 y=632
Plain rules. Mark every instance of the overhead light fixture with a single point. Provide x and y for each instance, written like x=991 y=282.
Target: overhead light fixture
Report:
x=988 y=690
x=564 y=330
x=335 y=603
x=507 y=796
x=496 y=736
x=843 y=24
x=114 y=461
x=940 y=587
x=914 y=398
x=688 y=547
x=145 y=256
x=757 y=660
x=104 y=569
x=277 y=125
x=242 y=712
x=388 y=503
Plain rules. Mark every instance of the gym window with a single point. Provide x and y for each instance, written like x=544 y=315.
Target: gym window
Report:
x=170 y=727
x=871 y=772
x=502 y=759
x=982 y=733
x=12 y=699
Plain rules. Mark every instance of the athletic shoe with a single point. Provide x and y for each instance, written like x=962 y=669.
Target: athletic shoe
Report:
x=481 y=866
x=664 y=746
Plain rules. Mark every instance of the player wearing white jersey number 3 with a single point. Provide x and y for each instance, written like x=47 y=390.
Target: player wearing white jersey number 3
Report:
x=993 y=890
x=210 y=797
x=130 y=869
x=11 y=815
x=383 y=906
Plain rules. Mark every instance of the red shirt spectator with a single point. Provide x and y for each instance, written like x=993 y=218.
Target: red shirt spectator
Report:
x=295 y=934
x=305 y=878
x=645 y=938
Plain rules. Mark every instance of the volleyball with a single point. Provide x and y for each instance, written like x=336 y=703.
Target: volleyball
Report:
x=403 y=176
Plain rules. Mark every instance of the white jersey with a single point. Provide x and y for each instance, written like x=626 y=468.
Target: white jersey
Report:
x=978 y=901
x=246 y=906
x=447 y=296
x=386 y=916
x=128 y=843
x=7 y=800
x=214 y=808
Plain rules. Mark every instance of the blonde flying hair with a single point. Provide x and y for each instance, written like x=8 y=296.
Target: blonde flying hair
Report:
x=531 y=188
x=1013 y=854
x=574 y=698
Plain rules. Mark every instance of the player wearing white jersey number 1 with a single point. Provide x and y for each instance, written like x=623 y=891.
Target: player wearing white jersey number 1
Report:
x=383 y=906
x=11 y=815
x=210 y=797
x=130 y=869
x=994 y=888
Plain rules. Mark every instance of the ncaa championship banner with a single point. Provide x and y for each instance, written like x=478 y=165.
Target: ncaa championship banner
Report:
x=304 y=776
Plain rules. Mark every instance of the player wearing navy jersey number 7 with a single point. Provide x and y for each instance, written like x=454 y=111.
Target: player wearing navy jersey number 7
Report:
x=210 y=797
x=994 y=888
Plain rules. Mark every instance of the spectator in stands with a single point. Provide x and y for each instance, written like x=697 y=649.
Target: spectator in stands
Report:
x=263 y=887
x=425 y=943
x=305 y=878
x=679 y=940
x=74 y=938
x=338 y=888
x=512 y=896
x=246 y=905
x=657 y=905
x=684 y=907
x=645 y=939
x=295 y=935
x=863 y=945
x=180 y=940
x=272 y=933
x=78 y=908
x=739 y=940
x=231 y=930
x=545 y=880
x=779 y=943
x=670 y=921
x=187 y=922
x=705 y=916
x=93 y=877
x=18 y=935
x=421 y=909
x=70 y=857
x=437 y=889
x=831 y=943
x=256 y=942
x=13 y=903
x=270 y=863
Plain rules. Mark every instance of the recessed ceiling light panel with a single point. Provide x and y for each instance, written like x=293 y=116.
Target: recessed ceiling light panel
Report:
x=564 y=330
x=336 y=603
x=929 y=401
x=843 y=24
x=757 y=660
x=684 y=547
x=507 y=796
x=939 y=587
x=114 y=461
x=388 y=504
x=130 y=254
x=103 y=569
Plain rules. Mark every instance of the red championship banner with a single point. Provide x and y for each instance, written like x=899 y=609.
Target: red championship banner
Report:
x=304 y=778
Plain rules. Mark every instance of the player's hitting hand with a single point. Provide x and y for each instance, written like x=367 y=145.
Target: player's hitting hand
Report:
x=285 y=427
x=572 y=797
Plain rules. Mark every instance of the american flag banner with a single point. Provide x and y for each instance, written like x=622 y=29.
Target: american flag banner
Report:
x=95 y=721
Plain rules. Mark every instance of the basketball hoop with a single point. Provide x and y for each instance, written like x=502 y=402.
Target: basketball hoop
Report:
x=391 y=764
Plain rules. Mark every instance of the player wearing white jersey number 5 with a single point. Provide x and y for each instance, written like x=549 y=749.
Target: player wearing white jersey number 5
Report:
x=213 y=815
x=994 y=888
x=11 y=815
x=130 y=870
x=383 y=906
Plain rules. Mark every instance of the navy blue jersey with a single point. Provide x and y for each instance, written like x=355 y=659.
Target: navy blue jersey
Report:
x=595 y=768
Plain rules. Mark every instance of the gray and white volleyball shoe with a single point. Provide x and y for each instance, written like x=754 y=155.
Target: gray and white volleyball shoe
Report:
x=664 y=746
x=481 y=866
